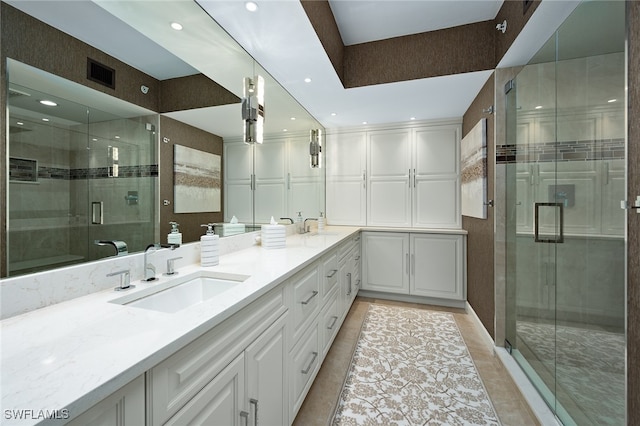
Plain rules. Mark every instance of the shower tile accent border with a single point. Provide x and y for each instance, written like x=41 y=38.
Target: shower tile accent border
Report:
x=18 y=173
x=599 y=149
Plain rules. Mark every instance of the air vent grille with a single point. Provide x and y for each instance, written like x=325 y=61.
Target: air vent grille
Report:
x=101 y=73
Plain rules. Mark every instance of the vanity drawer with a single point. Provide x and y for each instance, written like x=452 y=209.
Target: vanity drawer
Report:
x=329 y=321
x=305 y=362
x=329 y=275
x=176 y=380
x=306 y=300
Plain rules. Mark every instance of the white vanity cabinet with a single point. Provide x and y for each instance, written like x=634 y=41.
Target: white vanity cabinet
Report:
x=419 y=264
x=125 y=407
x=200 y=372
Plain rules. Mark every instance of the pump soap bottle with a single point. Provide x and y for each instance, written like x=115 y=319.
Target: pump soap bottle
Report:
x=299 y=224
x=209 y=247
x=175 y=236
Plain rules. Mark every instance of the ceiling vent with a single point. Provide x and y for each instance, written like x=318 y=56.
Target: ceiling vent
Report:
x=101 y=73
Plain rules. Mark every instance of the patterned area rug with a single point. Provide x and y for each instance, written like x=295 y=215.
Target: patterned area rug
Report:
x=412 y=367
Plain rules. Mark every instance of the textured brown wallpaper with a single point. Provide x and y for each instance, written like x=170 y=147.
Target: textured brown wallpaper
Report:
x=462 y=49
x=195 y=91
x=512 y=11
x=480 y=251
x=178 y=133
x=35 y=43
x=633 y=253
x=323 y=22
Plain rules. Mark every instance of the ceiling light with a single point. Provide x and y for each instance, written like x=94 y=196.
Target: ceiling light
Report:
x=251 y=6
x=20 y=123
x=412 y=118
x=117 y=137
x=284 y=130
x=48 y=103
x=333 y=114
x=176 y=26
x=293 y=118
x=364 y=122
x=95 y=139
x=539 y=107
x=45 y=119
x=612 y=101
x=307 y=80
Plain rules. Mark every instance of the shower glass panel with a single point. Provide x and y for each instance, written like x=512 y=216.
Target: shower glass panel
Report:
x=566 y=247
x=76 y=174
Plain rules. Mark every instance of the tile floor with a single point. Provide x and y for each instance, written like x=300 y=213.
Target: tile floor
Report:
x=319 y=405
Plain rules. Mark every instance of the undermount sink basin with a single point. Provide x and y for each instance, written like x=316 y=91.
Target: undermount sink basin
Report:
x=182 y=292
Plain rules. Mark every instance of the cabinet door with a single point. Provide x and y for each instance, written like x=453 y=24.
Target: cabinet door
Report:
x=305 y=186
x=270 y=190
x=238 y=168
x=437 y=266
x=125 y=407
x=220 y=402
x=436 y=183
x=346 y=179
x=389 y=168
x=385 y=262
x=267 y=388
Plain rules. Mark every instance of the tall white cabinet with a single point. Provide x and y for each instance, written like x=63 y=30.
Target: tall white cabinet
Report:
x=396 y=177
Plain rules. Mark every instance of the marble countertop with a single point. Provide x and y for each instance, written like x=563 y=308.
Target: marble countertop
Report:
x=73 y=354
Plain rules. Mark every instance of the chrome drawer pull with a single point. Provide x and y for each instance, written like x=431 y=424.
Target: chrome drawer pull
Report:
x=306 y=370
x=332 y=273
x=349 y=278
x=333 y=323
x=304 y=302
x=254 y=402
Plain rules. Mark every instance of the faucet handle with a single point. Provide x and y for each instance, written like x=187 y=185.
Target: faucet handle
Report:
x=125 y=279
x=170 y=266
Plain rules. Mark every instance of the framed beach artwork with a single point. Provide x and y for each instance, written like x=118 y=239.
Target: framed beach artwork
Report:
x=196 y=181
x=474 y=171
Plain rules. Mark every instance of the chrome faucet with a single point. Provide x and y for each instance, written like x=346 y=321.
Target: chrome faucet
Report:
x=149 y=269
x=120 y=246
x=125 y=280
x=287 y=218
x=305 y=223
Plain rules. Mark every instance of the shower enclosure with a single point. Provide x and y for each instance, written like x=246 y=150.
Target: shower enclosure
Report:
x=77 y=174
x=565 y=246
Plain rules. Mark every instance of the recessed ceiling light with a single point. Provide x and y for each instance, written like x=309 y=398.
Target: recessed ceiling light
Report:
x=333 y=114
x=48 y=103
x=251 y=6
x=293 y=118
x=284 y=130
x=176 y=26
x=20 y=123
x=95 y=139
x=117 y=137
x=45 y=119
x=412 y=118
x=307 y=80
x=364 y=122
x=539 y=107
x=612 y=101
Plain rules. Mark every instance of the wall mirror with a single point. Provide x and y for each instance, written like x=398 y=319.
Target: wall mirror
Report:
x=272 y=179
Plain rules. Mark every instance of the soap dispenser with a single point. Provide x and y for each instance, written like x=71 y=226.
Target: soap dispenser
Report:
x=321 y=222
x=209 y=247
x=175 y=236
x=299 y=224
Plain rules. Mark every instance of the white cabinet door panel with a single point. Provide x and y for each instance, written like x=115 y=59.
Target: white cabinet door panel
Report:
x=385 y=262
x=435 y=266
x=437 y=203
x=305 y=197
x=346 y=202
x=388 y=203
x=436 y=151
x=270 y=200
x=346 y=155
x=238 y=161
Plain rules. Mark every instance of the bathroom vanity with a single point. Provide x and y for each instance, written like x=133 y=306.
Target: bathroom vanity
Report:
x=249 y=352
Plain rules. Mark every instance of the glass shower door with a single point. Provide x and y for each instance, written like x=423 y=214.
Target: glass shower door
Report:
x=565 y=229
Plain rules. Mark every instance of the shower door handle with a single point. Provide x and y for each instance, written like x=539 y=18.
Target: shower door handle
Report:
x=560 y=237
x=97 y=217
